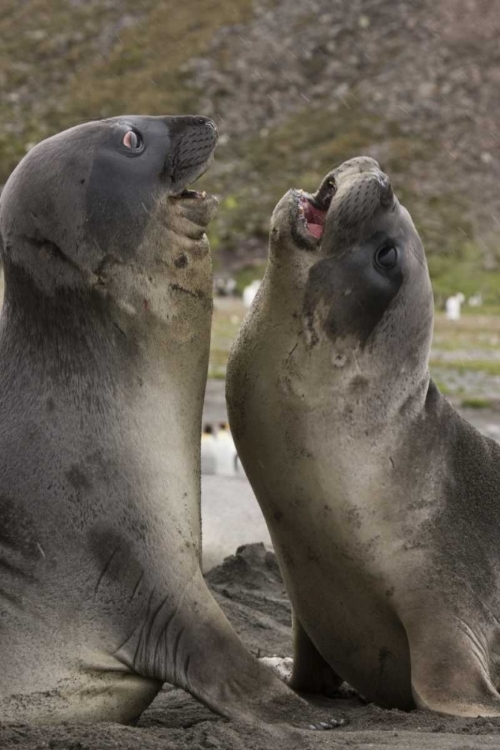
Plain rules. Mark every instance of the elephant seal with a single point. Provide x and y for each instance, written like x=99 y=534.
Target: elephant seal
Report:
x=382 y=502
x=104 y=342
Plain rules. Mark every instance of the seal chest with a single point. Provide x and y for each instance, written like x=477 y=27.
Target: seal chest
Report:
x=352 y=454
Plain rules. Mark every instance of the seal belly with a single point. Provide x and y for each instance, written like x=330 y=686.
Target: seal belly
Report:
x=340 y=589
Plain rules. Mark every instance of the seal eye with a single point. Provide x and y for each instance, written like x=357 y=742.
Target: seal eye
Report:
x=386 y=257
x=132 y=139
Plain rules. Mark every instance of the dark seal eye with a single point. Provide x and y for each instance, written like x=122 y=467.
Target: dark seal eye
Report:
x=132 y=140
x=386 y=257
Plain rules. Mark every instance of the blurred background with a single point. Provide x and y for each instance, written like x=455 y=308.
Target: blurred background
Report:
x=296 y=88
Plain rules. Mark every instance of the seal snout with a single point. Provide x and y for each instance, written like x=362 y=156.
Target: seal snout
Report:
x=192 y=144
x=363 y=191
x=347 y=195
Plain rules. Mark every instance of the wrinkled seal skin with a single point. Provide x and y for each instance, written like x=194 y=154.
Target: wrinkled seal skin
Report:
x=104 y=343
x=382 y=502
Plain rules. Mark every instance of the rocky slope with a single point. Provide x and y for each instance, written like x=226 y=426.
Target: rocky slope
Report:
x=295 y=88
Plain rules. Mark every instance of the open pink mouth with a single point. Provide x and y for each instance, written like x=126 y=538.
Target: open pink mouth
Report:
x=314 y=217
x=314 y=208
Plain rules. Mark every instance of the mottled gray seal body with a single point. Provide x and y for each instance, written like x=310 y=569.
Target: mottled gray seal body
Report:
x=382 y=503
x=104 y=342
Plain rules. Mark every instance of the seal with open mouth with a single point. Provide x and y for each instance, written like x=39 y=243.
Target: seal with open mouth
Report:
x=104 y=343
x=382 y=502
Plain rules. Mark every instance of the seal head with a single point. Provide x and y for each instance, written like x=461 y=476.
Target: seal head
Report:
x=348 y=260
x=85 y=198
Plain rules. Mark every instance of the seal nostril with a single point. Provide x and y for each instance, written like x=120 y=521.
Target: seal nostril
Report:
x=207 y=122
x=386 y=195
x=323 y=196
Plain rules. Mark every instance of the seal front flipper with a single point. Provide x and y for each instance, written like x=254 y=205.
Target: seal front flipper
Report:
x=311 y=673
x=450 y=666
x=193 y=646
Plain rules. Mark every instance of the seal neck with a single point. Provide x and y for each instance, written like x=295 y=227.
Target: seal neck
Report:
x=77 y=336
